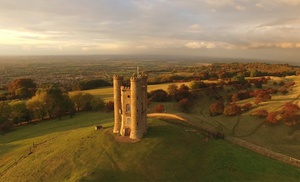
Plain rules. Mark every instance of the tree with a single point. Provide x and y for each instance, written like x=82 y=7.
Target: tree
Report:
x=50 y=101
x=182 y=93
x=160 y=108
x=172 y=89
x=185 y=105
x=239 y=79
x=159 y=95
x=97 y=104
x=288 y=113
x=109 y=106
x=271 y=118
x=19 y=112
x=194 y=85
x=261 y=96
x=23 y=87
x=232 y=109
x=216 y=108
x=246 y=107
x=82 y=100
x=36 y=106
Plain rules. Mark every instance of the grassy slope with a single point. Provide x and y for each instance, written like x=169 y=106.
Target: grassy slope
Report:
x=168 y=152
x=279 y=138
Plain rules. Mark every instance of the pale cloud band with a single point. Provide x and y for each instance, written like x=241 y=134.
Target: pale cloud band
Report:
x=150 y=27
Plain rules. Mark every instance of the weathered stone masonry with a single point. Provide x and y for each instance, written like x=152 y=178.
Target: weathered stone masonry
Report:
x=130 y=106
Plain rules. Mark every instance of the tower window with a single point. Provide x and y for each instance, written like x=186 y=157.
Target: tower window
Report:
x=127 y=108
x=128 y=96
x=128 y=121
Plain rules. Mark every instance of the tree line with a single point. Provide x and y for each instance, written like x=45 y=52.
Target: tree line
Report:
x=30 y=103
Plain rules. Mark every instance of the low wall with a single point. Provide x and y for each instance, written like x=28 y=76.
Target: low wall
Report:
x=265 y=152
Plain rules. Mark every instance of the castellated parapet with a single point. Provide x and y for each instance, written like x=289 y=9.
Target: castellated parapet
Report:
x=130 y=109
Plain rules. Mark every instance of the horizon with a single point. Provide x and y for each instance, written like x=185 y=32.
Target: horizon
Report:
x=230 y=29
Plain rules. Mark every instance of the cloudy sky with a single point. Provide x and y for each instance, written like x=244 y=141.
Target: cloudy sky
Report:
x=267 y=29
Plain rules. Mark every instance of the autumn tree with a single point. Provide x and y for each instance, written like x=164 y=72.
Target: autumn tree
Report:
x=182 y=93
x=216 y=108
x=261 y=96
x=288 y=113
x=246 y=106
x=271 y=118
x=232 y=109
x=185 y=105
x=23 y=87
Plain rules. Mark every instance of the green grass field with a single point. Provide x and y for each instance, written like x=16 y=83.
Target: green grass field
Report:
x=71 y=150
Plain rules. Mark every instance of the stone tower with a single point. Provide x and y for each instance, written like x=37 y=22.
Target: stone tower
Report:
x=130 y=109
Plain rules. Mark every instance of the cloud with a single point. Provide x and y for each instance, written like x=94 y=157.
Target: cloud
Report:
x=88 y=26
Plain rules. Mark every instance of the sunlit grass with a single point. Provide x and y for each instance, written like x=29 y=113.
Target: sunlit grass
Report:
x=71 y=150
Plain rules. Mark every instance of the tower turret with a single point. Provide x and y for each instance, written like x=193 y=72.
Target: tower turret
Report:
x=117 y=82
x=135 y=86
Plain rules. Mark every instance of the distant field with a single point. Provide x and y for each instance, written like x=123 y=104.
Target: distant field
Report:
x=71 y=150
x=107 y=93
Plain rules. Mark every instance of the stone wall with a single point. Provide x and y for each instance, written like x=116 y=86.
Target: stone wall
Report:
x=265 y=152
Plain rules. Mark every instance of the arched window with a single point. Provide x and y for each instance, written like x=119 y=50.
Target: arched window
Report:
x=128 y=121
x=127 y=108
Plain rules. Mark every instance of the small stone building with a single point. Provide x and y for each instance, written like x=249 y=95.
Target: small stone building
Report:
x=130 y=106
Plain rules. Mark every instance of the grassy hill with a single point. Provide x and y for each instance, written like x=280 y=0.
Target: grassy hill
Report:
x=71 y=150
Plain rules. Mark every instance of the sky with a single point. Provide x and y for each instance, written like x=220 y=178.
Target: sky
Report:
x=258 y=29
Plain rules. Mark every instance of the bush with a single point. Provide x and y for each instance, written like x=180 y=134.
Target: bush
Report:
x=159 y=108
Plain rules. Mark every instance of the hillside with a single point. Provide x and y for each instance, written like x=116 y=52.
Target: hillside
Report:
x=71 y=150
